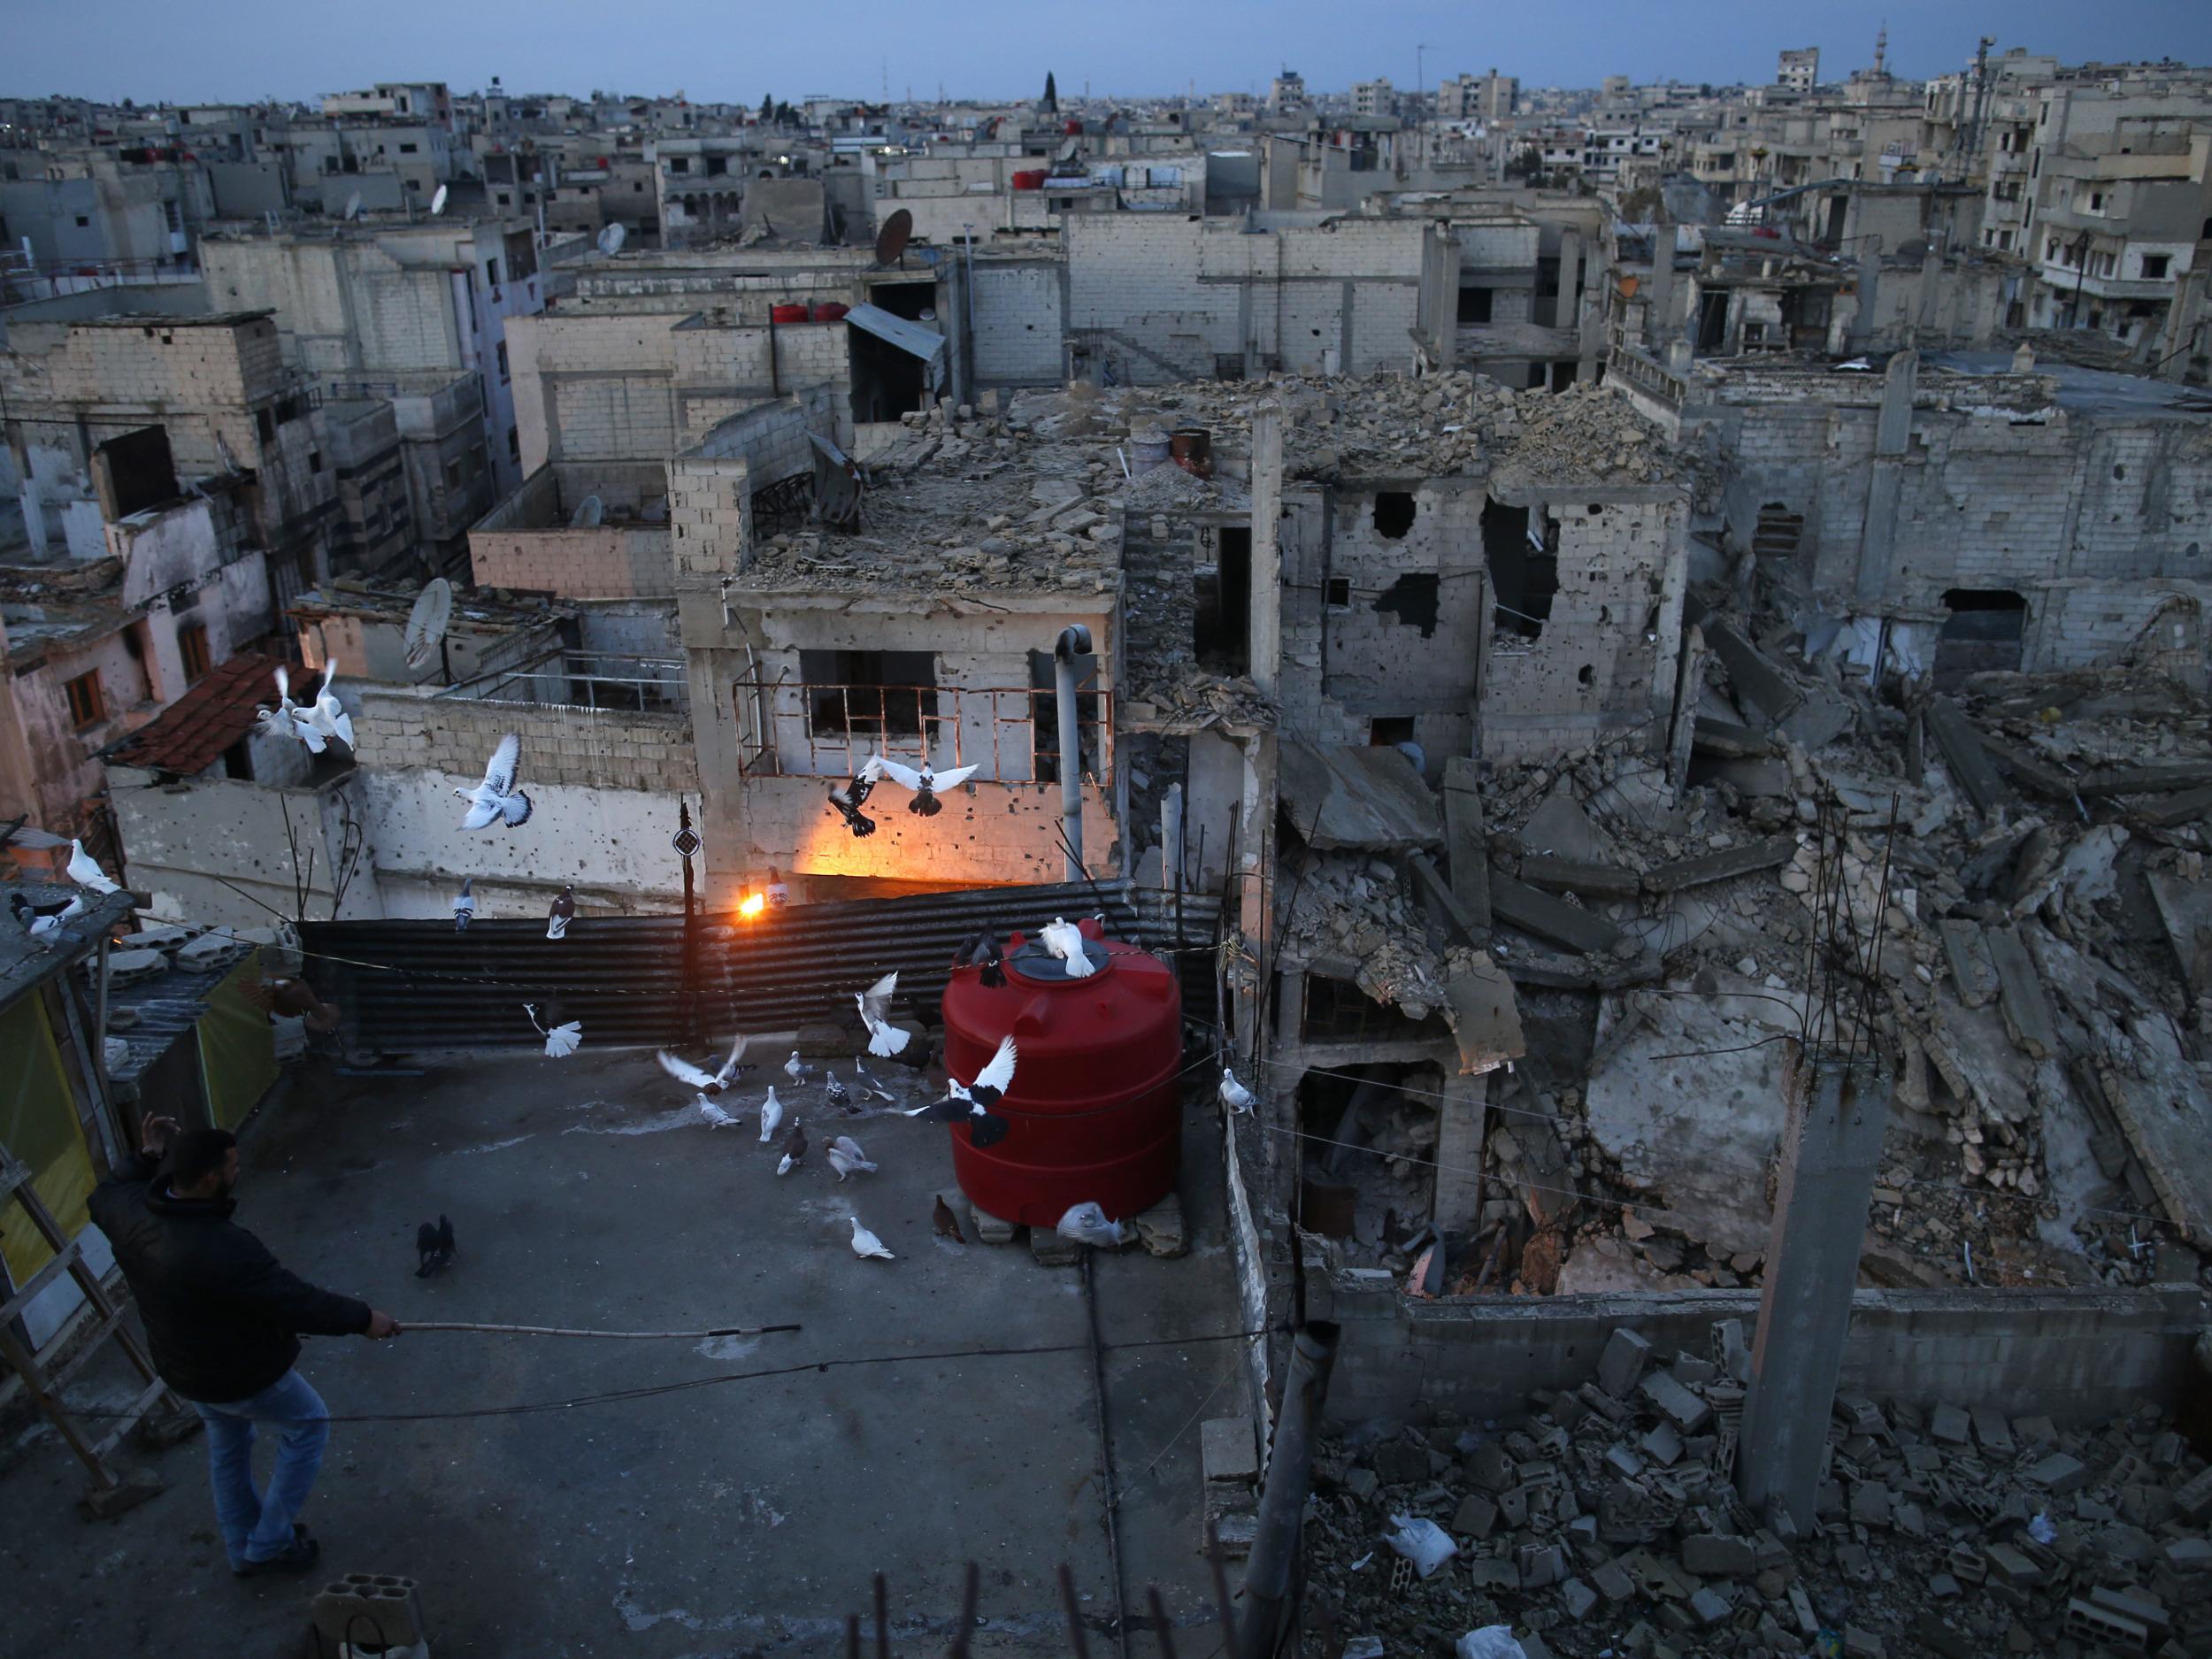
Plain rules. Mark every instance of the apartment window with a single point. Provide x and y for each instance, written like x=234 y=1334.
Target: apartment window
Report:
x=491 y=274
x=83 y=223
x=453 y=474
x=407 y=149
x=514 y=444
x=1474 y=305
x=679 y=163
x=2154 y=267
x=264 y=423
x=503 y=198
x=854 y=697
x=502 y=360
x=314 y=460
x=87 y=706
x=2096 y=201
x=192 y=646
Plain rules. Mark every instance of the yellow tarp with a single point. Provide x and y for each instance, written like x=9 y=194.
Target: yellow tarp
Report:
x=38 y=1124
x=237 y=1048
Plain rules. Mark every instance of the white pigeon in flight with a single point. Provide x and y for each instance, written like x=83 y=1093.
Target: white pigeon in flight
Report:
x=923 y=782
x=708 y=1083
x=867 y=1244
x=973 y=1101
x=1064 y=939
x=845 y=1157
x=288 y=720
x=886 y=1041
x=1235 y=1095
x=497 y=797
x=85 y=871
x=325 y=717
x=771 y=1115
x=563 y=1040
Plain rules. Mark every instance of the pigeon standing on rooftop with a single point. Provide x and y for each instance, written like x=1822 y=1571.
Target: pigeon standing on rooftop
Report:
x=795 y=1149
x=85 y=871
x=834 y=1091
x=867 y=1244
x=845 y=1157
x=947 y=1223
x=924 y=782
x=771 y=1115
x=797 y=1069
x=433 y=1247
x=44 y=923
x=497 y=798
x=562 y=912
x=1235 y=1095
x=1064 y=939
x=464 y=905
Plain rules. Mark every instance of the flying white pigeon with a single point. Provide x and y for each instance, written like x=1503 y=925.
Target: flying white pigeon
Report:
x=326 y=717
x=924 y=782
x=771 y=1115
x=974 y=1100
x=845 y=1157
x=886 y=1041
x=797 y=1070
x=464 y=905
x=497 y=797
x=794 y=1150
x=1064 y=940
x=85 y=871
x=717 y=1118
x=561 y=913
x=867 y=1244
x=288 y=720
x=563 y=1040
x=708 y=1083
x=1235 y=1095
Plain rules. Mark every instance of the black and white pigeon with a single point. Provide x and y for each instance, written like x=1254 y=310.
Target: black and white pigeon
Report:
x=797 y=1069
x=433 y=1245
x=563 y=1037
x=464 y=905
x=834 y=1089
x=496 y=798
x=1235 y=1095
x=717 y=1118
x=848 y=800
x=44 y=923
x=560 y=914
x=85 y=871
x=845 y=1157
x=921 y=780
x=771 y=1115
x=708 y=1083
x=886 y=1041
x=869 y=1086
x=973 y=1101
x=982 y=950
x=794 y=1150
x=1064 y=939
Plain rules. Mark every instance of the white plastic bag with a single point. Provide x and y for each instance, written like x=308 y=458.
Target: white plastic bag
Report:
x=1087 y=1224
x=1491 y=1641
x=1422 y=1542
x=2041 y=1529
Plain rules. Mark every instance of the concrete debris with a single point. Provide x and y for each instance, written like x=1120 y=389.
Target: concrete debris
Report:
x=1605 y=1523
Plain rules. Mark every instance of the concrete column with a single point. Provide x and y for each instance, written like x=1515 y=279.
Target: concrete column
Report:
x=1869 y=277
x=1266 y=612
x=1462 y=1124
x=1893 y=436
x=1831 y=1145
x=1569 y=312
x=1659 y=305
x=1930 y=288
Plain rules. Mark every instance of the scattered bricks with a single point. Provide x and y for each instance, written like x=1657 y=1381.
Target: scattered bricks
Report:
x=1623 y=1462
x=2010 y=1565
x=1855 y=1563
x=2194 y=1499
x=2101 y=1627
x=1862 y=1644
x=1967 y=1563
x=2189 y=1555
x=1613 y=1583
x=988 y=1228
x=1620 y=1366
x=1603 y=1404
x=1684 y=1409
x=1494 y=1572
x=1226 y=1451
x=1950 y=1426
x=1708 y=1606
x=1361 y=1483
x=2140 y=1605
x=1871 y=1503
x=1859 y=1416
x=1718 y=1555
x=1692 y=1372
x=1476 y=1516
x=1400 y=1462
x=2058 y=1474
x=1942 y=1586
x=1577 y=1598
x=383 y=1604
x=1489 y=1468
x=1160 y=1229
x=1052 y=1250
x=1541 y=1565
x=1513 y=1506
x=2034 y=1430
x=1662 y=1445
x=1801 y=1610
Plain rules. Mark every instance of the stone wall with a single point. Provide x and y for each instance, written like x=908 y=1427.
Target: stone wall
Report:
x=405 y=730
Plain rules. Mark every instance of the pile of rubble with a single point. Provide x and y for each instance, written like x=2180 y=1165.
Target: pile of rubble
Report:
x=1607 y=1524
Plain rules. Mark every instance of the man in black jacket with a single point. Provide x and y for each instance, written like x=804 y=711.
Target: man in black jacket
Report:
x=222 y=1319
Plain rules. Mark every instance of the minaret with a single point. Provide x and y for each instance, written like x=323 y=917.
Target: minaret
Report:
x=1881 y=47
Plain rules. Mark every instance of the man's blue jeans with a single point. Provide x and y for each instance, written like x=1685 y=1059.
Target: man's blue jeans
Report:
x=258 y=1524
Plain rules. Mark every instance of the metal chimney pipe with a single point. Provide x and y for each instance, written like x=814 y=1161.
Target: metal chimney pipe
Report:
x=1074 y=641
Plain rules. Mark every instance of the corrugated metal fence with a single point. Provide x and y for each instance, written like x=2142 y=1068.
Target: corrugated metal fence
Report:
x=411 y=984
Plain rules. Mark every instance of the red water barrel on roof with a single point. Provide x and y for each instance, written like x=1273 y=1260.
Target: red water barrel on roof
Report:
x=1096 y=1110
x=786 y=314
x=828 y=312
x=1030 y=179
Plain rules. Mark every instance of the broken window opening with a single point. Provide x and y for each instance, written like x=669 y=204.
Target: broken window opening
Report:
x=1474 y=305
x=1776 y=534
x=910 y=300
x=1339 y=592
x=860 y=698
x=887 y=382
x=1985 y=632
x=1221 y=619
x=1563 y=373
x=1712 y=319
x=1388 y=731
x=1523 y=571
x=1394 y=512
x=1413 y=599
x=1338 y=1010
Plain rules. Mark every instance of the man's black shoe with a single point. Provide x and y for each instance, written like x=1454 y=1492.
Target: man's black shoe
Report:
x=298 y=1556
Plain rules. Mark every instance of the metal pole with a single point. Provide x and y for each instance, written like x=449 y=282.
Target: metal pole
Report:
x=1074 y=641
x=691 y=934
x=1269 y=1575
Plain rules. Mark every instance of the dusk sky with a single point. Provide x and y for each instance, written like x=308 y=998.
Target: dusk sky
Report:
x=737 y=49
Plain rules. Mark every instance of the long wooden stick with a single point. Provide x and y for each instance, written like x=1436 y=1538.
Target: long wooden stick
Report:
x=549 y=1330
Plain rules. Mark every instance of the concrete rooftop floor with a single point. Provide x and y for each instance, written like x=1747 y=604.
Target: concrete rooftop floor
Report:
x=742 y=1517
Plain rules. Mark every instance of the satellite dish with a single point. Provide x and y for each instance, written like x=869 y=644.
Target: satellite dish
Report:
x=611 y=240
x=892 y=238
x=437 y=202
x=589 y=514
x=353 y=206
x=427 y=622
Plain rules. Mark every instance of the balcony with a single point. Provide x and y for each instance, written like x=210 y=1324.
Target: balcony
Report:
x=821 y=729
x=584 y=679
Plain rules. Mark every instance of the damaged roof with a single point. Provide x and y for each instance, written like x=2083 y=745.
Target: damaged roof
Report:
x=1345 y=798
x=192 y=732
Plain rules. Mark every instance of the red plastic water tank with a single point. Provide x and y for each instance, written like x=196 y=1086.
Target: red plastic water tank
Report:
x=786 y=314
x=1095 y=1110
x=827 y=312
x=1029 y=179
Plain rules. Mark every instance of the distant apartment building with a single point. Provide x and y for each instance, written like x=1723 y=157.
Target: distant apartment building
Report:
x=1487 y=98
x=1287 y=95
x=1798 y=68
x=1374 y=97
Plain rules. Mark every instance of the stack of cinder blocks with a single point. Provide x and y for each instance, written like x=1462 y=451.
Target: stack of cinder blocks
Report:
x=368 y=1614
x=1230 y=1461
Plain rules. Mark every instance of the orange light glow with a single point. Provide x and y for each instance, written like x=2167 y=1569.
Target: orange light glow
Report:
x=752 y=904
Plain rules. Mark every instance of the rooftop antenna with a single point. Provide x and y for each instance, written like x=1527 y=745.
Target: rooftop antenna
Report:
x=437 y=202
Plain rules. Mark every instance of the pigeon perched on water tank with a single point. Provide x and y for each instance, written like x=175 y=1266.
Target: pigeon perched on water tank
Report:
x=1064 y=939
x=433 y=1247
x=982 y=950
x=1235 y=1095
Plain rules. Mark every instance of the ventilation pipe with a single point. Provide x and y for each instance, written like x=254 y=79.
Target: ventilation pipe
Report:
x=1074 y=641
